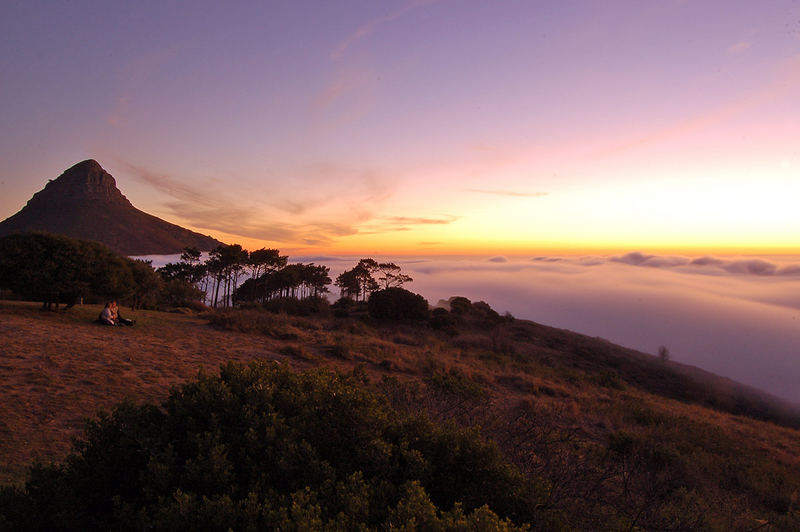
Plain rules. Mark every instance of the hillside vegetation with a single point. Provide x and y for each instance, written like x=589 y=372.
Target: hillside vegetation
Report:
x=596 y=436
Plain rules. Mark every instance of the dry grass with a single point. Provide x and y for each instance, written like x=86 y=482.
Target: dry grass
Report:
x=57 y=369
x=60 y=368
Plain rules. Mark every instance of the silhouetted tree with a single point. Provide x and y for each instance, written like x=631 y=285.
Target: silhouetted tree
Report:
x=317 y=279
x=390 y=275
x=196 y=271
x=363 y=272
x=294 y=281
x=225 y=264
x=147 y=284
x=359 y=281
x=189 y=269
x=262 y=261
x=184 y=279
x=191 y=255
x=348 y=285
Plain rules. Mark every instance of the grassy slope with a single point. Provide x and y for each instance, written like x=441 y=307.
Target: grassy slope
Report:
x=58 y=369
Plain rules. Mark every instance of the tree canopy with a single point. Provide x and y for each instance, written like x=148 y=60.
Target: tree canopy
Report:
x=56 y=269
x=359 y=282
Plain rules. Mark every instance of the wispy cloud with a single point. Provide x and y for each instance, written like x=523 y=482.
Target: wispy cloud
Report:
x=739 y=47
x=172 y=187
x=336 y=202
x=346 y=83
x=369 y=27
x=391 y=224
x=444 y=220
x=205 y=204
x=510 y=193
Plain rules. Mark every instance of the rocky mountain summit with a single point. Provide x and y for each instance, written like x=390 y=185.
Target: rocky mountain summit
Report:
x=84 y=202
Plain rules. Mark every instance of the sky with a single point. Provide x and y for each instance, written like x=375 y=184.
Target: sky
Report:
x=420 y=127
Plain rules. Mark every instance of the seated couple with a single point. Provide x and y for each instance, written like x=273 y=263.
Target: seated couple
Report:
x=111 y=316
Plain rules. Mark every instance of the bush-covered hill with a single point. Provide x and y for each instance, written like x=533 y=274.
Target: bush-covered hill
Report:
x=583 y=434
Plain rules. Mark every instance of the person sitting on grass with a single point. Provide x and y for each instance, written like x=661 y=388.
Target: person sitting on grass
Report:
x=118 y=317
x=108 y=316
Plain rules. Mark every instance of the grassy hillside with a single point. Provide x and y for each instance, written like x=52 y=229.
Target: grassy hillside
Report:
x=612 y=438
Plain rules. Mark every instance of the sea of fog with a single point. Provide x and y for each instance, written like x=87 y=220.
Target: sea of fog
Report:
x=735 y=316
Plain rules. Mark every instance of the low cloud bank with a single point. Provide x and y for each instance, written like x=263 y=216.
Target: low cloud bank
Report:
x=743 y=266
x=735 y=316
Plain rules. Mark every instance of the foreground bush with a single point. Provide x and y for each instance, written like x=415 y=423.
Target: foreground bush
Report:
x=260 y=447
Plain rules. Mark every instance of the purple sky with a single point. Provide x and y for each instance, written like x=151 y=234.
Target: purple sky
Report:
x=391 y=126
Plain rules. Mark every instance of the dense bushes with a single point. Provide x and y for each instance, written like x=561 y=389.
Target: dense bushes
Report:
x=261 y=447
x=397 y=304
x=55 y=269
x=465 y=312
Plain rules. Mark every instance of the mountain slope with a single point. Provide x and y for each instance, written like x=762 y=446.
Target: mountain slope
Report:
x=84 y=202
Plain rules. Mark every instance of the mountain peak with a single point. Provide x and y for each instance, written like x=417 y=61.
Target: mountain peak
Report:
x=84 y=181
x=89 y=164
x=84 y=202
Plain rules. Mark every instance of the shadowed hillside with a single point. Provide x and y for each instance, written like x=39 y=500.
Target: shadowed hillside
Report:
x=604 y=437
x=85 y=203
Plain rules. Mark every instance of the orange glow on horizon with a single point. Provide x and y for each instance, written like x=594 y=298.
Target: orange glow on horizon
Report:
x=389 y=245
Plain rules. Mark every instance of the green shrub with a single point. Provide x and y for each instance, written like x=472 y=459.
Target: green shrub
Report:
x=253 y=321
x=460 y=305
x=260 y=447
x=397 y=304
x=455 y=383
x=488 y=316
x=178 y=293
x=442 y=320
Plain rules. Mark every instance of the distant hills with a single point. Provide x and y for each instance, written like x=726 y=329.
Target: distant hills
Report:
x=84 y=202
